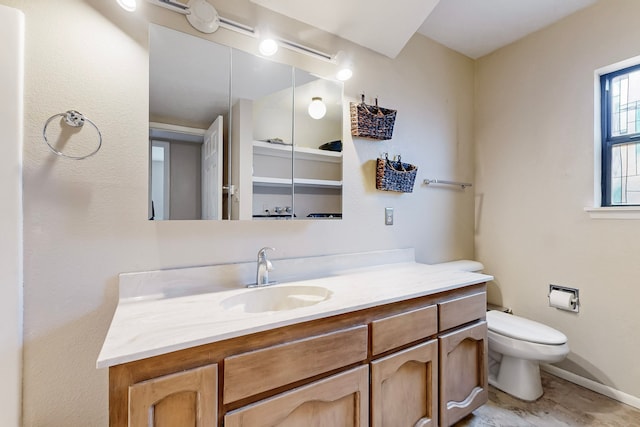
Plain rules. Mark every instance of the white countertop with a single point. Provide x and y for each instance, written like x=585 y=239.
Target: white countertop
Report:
x=150 y=327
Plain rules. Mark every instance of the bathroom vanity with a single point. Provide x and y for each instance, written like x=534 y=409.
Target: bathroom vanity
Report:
x=399 y=344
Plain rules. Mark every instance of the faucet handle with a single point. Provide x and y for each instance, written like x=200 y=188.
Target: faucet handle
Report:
x=262 y=253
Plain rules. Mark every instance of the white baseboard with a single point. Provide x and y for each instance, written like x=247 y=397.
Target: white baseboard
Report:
x=593 y=385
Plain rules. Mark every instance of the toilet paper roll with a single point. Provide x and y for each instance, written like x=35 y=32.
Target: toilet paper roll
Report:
x=561 y=299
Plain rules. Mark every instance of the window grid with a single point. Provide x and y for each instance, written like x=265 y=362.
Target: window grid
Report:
x=621 y=125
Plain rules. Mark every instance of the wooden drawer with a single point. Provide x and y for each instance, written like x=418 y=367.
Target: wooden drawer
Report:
x=393 y=331
x=459 y=311
x=339 y=400
x=258 y=371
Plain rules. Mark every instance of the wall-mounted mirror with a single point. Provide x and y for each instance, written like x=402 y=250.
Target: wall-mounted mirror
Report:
x=231 y=134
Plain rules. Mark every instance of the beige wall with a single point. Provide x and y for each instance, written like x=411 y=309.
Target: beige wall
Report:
x=535 y=161
x=85 y=221
x=11 y=58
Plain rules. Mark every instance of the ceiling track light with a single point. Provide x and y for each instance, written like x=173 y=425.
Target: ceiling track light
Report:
x=306 y=50
x=207 y=20
x=345 y=66
x=172 y=5
x=268 y=47
x=128 y=5
x=344 y=74
x=237 y=27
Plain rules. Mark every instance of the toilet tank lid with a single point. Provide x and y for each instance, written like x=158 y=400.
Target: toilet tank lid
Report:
x=523 y=329
x=460 y=265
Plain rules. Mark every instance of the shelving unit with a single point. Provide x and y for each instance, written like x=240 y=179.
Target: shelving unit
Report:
x=264 y=181
x=301 y=154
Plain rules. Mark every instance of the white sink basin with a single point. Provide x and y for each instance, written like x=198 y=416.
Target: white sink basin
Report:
x=278 y=298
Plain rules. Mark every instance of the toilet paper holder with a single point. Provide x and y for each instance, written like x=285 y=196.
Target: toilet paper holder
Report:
x=564 y=298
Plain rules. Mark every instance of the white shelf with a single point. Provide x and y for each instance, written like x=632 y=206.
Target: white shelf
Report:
x=324 y=183
x=267 y=181
x=303 y=153
x=305 y=182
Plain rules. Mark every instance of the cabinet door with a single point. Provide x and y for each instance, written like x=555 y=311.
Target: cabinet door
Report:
x=185 y=399
x=404 y=388
x=338 y=401
x=463 y=372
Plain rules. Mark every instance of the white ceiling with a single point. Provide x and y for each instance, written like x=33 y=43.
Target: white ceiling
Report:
x=478 y=27
x=190 y=85
x=381 y=25
x=471 y=27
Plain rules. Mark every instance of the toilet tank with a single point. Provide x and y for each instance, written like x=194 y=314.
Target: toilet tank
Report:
x=461 y=265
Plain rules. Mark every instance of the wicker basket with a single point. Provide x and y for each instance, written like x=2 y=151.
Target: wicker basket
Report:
x=371 y=121
x=395 y=175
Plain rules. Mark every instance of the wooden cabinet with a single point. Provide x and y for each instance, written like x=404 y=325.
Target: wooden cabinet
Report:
x=185 y=399
x=404 y=388
x=415 y=363
x=463 y=372
x=340 y=400
x=394 y=331
x=458 y=311
x=293 y=361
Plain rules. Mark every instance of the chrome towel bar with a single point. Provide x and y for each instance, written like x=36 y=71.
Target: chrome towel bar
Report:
x=462 y=185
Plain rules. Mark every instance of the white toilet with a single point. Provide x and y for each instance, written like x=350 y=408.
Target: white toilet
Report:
x=516 y=347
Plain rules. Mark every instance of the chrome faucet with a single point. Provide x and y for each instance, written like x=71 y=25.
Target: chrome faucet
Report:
x=264 y=267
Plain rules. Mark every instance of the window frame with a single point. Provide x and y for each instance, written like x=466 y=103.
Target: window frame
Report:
x=607 y=141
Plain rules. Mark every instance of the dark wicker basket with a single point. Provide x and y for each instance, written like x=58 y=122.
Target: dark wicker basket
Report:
x=395 y=176
x=371 y=121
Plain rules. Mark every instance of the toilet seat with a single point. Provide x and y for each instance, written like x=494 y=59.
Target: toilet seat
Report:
x=523 y=329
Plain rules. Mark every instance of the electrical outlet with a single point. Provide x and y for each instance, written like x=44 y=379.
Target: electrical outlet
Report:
x=388 y=216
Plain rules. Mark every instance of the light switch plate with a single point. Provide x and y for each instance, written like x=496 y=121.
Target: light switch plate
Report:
x=388 y=216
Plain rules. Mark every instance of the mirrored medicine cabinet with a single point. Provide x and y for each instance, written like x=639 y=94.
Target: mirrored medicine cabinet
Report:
x=231 y=135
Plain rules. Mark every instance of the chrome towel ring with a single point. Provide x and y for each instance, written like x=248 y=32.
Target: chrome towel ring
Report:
x=75 y=119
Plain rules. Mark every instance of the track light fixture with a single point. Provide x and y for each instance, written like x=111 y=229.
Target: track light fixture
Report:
x=268 y=47
x=128 y=5
x=203 y=17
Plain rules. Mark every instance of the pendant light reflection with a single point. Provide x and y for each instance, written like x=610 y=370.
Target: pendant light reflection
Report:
x=268 y=47
x=128 y=5
x=317 y=109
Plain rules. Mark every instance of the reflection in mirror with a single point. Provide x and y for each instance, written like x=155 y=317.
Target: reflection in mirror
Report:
x=231 y=136
x=318 y=172
x=188 y=110
x=261 y=137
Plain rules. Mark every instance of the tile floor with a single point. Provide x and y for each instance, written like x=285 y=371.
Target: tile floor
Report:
x=563 y=404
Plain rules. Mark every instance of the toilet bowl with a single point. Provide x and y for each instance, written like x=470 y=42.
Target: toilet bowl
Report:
x=516 y=348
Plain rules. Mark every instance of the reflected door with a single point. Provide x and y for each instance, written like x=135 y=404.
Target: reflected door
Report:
x=212 y=171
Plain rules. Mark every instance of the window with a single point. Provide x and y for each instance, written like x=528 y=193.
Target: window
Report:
x=621 y=137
